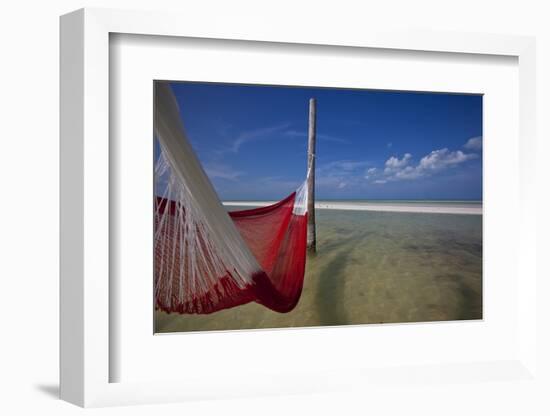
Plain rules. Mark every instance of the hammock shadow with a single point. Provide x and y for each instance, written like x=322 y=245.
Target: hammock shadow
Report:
x=330 y=292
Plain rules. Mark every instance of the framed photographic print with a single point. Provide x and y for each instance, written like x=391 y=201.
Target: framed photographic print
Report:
x=386 y=237
x=291 y=212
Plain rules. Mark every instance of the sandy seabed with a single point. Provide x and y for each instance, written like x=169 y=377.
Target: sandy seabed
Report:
x=372 y=267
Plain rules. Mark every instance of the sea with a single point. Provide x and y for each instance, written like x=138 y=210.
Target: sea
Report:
x=373 y=268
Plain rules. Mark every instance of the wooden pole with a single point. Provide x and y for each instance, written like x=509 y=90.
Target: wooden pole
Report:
x=311 y=238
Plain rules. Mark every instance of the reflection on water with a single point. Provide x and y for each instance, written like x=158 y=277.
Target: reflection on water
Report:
x=372 y=267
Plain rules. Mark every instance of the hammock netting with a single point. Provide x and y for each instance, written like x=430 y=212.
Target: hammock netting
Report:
x=207 y=259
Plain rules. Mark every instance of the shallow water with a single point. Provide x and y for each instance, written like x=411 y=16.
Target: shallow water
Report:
x=372 y=267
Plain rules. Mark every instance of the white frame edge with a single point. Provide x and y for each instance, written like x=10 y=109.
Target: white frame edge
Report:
x=84 y=156
x=71 y=208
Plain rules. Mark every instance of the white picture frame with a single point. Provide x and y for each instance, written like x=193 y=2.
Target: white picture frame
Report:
x=86 y=356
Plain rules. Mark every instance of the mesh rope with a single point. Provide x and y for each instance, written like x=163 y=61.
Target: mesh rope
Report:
x=207 y=259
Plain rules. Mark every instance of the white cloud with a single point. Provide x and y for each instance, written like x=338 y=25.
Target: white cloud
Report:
x=408 y=172
x=475 y=143
x=442 y=158
x=370 y=172
x=394 y=164
x=340 y=174
x=396 y=169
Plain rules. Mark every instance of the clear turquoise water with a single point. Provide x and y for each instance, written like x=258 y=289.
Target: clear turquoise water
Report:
x=373 y=267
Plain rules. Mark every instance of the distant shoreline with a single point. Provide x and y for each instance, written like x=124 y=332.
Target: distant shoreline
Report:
x=426 y=207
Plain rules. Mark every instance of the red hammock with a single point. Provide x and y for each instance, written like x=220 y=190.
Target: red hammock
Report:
x=277 y=239
x=205 y=258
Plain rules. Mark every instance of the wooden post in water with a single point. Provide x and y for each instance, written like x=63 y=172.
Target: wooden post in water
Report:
x=311 y=238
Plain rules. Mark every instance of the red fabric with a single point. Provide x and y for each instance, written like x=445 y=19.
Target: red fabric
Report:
x=277 y=239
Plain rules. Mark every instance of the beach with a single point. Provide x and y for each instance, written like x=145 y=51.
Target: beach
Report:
x=376 y=262
x=425 y=207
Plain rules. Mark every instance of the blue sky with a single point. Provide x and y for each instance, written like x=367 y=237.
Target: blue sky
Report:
x=252 y=141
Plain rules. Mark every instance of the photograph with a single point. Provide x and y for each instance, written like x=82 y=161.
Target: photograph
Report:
x=282 y=206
